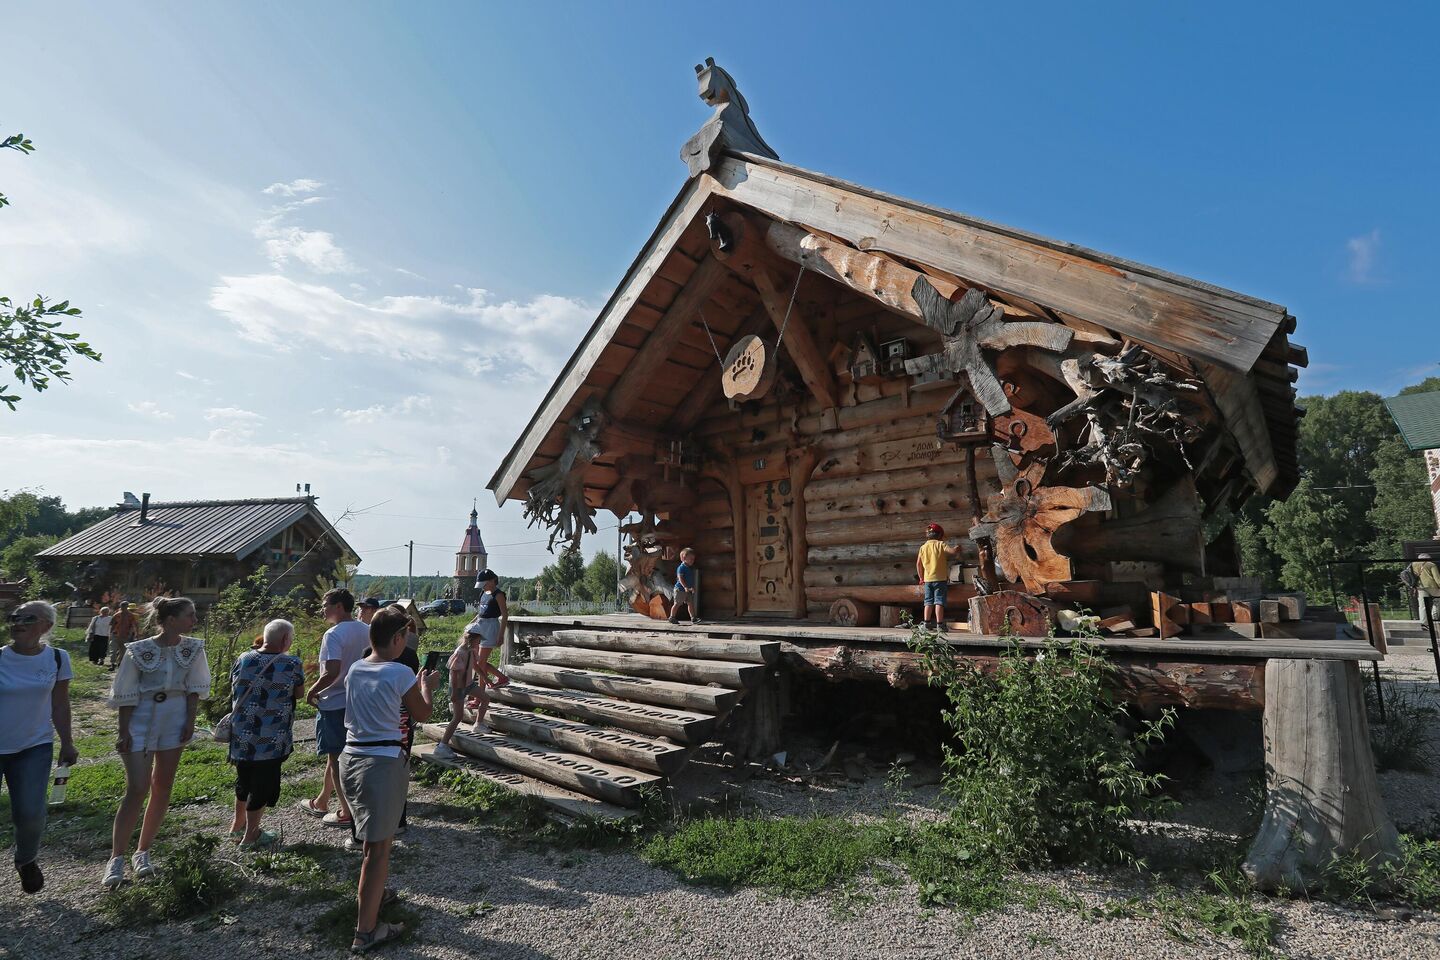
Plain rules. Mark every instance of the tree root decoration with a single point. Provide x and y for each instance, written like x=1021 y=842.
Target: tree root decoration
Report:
x=556 y=498
x=1132 y=407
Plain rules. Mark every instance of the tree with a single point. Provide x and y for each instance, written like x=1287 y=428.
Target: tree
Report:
x=1402 y=509
x=1302 y=532
x=601 y=572
x=559 y=579
x=17 y=562
x=15 y=512
x=44 y=516
x=32 y=342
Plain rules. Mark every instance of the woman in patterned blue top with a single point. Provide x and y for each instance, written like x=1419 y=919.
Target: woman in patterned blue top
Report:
x=264 y=684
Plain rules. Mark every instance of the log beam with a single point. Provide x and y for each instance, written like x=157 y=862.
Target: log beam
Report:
x=1237 y=686
x=636 y=379
x=799 y=342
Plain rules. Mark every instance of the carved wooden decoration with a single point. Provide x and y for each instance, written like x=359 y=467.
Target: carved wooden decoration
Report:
x=1011 y=613
x=1023 y=522
x=1132 y=408
x=749 y=371
x=729 y=127
x=969 y=324
x=556 y=498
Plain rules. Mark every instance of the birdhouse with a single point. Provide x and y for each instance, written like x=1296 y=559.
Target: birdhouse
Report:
x=893 y=354
x=963 y=419
x=864 y=360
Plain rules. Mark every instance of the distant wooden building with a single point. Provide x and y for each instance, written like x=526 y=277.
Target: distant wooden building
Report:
x=797 y=373
x=197 y=548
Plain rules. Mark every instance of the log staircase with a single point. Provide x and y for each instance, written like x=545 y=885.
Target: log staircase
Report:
x=597 y=718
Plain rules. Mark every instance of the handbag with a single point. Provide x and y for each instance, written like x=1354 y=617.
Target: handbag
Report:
x=221 y=732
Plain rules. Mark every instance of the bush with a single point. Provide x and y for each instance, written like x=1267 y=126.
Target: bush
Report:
x=1042 y=771
x=1404 y=740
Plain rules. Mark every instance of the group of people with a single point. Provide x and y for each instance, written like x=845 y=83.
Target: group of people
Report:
x=370 y=693
x=109 y=633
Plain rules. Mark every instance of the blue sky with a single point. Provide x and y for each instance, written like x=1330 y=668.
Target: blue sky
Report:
x=350 y=244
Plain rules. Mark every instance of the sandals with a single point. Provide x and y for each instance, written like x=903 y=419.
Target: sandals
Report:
x=383 y=933
x=264 y=840
x=305 y=805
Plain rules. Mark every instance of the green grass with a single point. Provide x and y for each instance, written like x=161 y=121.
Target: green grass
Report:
x=795 y=856
x=189 y=882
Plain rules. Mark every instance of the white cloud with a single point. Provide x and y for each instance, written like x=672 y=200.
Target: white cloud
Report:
x=1364 y=253
x=380 y=411
x=232 y=414
x=442 y=453
x=149 y=408
x=294 y=187
x=511 y=341
x=315 y=249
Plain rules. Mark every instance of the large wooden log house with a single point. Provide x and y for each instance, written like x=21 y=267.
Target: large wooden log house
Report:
x=797 y=374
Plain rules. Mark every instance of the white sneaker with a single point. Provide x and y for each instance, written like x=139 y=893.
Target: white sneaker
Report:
x=114 y=873
x=445 y=752
x=479 y=728
x=141 y=862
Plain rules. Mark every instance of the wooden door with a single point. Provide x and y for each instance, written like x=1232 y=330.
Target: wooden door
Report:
x=771 y=586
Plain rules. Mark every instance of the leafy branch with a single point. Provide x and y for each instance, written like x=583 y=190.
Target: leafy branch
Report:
x=34 y=346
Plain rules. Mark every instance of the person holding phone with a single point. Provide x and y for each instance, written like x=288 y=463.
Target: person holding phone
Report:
x=373 y=775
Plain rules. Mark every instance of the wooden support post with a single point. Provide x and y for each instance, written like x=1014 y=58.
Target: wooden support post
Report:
x=1322 y=797
x=755 y=731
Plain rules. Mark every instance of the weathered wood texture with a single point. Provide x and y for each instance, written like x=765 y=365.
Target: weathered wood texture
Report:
x=674 y=669
x=694 y=648
x=1148 y=682
x=1322 y=800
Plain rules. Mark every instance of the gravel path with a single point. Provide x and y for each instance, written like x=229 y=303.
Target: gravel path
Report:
x=479 y=896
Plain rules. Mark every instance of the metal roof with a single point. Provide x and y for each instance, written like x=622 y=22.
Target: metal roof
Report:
x=232 y=528
x=1418 y=417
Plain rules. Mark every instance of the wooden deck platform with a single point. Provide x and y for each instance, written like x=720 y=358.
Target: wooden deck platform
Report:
x=807 y=633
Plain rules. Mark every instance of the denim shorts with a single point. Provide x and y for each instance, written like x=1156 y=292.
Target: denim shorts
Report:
x=935 y=593
x=330 y=731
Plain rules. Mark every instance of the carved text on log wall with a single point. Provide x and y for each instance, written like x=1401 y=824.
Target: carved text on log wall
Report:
x=905 y=453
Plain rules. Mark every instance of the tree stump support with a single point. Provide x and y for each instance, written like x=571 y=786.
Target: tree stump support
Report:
x=754 y=732
x=1322 y=796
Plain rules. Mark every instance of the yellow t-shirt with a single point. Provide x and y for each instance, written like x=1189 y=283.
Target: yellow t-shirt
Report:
x=934 y=562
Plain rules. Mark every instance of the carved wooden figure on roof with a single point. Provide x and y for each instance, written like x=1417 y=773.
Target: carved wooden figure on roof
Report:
x=729 y=127
x=556 y=498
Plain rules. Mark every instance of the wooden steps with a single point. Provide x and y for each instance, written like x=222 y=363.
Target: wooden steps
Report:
x=681 y=669
x=566 y=801
x=667 y=645
x=652 y=719
x=599 y=718
x=687 y=696
x=655 y=754
x=597 y=778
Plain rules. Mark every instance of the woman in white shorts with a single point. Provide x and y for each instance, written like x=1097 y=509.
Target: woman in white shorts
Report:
x=157 y=691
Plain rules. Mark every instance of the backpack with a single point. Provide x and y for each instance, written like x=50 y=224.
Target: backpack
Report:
x=1408 y=578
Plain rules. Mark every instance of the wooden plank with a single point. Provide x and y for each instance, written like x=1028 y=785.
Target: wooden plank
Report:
x=738 y=650
x=568 y=802
x=674 y=669
x=673 y=723
x=677 y=219
x=686 y=696
x=656 y=350
x=620 y=746
x=1238 y=400
x=1153 y=306
x=603 y=780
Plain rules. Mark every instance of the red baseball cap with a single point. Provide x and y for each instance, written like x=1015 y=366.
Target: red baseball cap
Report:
x=935 y=528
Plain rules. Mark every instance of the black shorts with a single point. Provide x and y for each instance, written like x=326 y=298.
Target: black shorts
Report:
x=257 y=782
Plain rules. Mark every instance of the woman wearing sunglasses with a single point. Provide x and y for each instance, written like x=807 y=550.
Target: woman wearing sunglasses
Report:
x=34 y=706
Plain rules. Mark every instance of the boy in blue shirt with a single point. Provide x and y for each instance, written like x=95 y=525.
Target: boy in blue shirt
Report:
x=685 y=587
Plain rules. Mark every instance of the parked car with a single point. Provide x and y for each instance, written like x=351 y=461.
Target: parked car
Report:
x=457 y=605
x=435 y=608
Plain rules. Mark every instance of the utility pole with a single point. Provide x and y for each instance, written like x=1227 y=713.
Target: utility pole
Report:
x=410 y=573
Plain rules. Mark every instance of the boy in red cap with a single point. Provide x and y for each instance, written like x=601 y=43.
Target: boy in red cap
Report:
x=932 y=568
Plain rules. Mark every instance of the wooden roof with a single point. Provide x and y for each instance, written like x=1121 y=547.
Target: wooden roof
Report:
x=650 y=360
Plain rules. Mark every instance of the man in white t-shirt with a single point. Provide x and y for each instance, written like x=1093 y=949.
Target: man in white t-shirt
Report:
x=343 y=644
